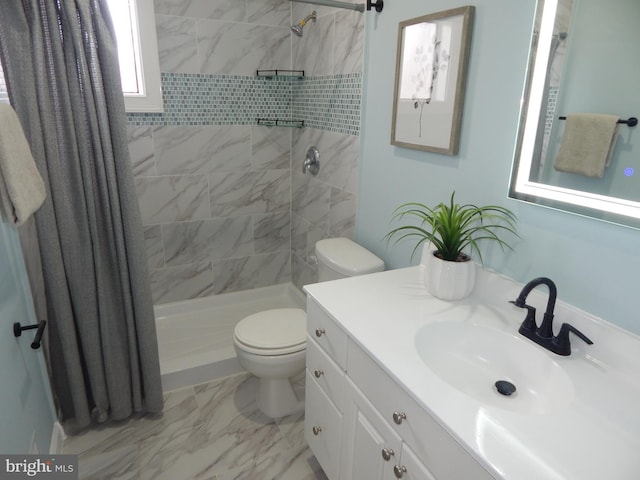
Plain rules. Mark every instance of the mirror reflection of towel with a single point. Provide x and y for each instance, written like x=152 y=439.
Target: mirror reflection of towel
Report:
x=587 y=144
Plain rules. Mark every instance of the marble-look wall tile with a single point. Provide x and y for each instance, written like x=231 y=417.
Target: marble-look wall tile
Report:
x=177 y=46
x=182 y=282
x=342 y=214
x=301 y=10
x=349 y=42
x=141 y=151
x=313 y=52
x=269 y=12
x=202 y=149
x=299 y=229
x=229 y=10
x=256 y=200
x=154 y=246
x=301 y=140
x=310 y=199
x=302 y=273
x=270 y=148
x=173 y=198
x=251 y=272
x=241 y=49
x=339 y=154
x=216 y=238
x=272 y=232
x=324 y=206
x=314 y=235
x=249 y=192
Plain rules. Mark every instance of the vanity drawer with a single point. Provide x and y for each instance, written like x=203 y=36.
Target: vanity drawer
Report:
x=432 y=445
x=322 y=428
x=326 y=373
x=324 y=330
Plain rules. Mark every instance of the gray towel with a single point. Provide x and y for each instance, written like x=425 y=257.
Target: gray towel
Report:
x=22 y=190
x=587 y=144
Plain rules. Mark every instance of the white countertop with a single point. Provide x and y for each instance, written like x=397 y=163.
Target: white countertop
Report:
x=595 y=436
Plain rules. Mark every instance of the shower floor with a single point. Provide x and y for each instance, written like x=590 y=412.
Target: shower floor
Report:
x=195 y=337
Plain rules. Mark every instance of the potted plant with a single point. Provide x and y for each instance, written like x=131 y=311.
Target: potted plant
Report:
x=450 y=229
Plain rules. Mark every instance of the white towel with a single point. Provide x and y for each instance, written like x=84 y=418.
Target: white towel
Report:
x=22 y=190
x=587 y=144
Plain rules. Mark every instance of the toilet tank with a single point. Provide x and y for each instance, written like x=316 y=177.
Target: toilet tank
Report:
x=341 y=257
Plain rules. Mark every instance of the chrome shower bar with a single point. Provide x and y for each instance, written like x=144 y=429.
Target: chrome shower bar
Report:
x=359 y=7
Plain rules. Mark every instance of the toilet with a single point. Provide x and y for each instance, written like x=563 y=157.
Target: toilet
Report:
x=272 y=344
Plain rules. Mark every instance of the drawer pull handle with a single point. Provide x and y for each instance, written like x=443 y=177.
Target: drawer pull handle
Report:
x=316 y=430
x=387 y=453
x=318 y=372
x=320 y=332
x=398 y=417
x=399 y=470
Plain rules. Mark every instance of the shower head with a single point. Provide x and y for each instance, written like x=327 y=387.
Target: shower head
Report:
x=297 y=28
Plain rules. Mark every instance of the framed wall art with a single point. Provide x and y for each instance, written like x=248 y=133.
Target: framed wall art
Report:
x=431 y=71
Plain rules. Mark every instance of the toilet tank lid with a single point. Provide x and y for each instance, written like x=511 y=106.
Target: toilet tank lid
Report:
x=347 y=257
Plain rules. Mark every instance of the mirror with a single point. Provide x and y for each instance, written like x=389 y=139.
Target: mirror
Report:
x=583 y=59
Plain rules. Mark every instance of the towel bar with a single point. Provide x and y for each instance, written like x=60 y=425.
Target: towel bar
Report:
x=17 y=331
x=631 y=121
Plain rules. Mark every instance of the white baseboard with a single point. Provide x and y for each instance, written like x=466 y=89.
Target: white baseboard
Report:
x=57 y=439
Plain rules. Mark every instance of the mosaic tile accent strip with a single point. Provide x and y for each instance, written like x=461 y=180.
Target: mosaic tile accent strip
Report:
x=198 y=99
x=327 y=103
x=552 y=102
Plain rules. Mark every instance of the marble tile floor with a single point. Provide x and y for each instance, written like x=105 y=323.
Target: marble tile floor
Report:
x=212 y=431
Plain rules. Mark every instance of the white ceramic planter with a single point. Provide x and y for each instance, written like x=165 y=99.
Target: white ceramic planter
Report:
x=447 y=280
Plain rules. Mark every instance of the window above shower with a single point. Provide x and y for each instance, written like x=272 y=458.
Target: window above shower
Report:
x=135 y=30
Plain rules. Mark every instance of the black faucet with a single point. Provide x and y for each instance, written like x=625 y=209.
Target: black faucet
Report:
x=543 y=335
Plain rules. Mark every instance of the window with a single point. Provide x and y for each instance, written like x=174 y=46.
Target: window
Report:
x=134 y=23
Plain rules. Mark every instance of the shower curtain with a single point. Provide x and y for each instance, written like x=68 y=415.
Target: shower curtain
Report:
x=60 y=64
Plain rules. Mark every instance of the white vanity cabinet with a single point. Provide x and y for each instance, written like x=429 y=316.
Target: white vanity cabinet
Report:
x=325 y=388
x=372 y=449
x=362 y=425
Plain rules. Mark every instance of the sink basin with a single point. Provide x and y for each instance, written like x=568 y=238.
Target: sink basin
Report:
x=471 y=358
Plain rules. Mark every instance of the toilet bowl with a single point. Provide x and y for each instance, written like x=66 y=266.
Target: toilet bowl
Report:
x=272 y=344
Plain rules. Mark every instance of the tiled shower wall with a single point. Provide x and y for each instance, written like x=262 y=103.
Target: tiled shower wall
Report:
x=224 y=201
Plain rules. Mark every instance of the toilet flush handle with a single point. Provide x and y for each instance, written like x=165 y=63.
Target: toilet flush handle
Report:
x=320 y=332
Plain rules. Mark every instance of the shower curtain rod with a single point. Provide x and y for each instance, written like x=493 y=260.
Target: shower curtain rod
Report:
x=349 y=6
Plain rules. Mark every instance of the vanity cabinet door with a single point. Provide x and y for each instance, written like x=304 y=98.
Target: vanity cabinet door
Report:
x=411 y=467
x=427 y=439
x=370 y=446
x=322 y=428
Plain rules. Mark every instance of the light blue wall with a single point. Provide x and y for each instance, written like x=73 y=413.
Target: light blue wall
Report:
x=594 y=264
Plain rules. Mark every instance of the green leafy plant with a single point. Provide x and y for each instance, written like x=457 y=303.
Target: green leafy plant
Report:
x=451 y=228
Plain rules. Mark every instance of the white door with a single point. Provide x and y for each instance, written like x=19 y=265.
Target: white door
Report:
x=27 y=414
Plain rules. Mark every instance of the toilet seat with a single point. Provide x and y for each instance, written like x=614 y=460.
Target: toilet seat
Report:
x=279 y=331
